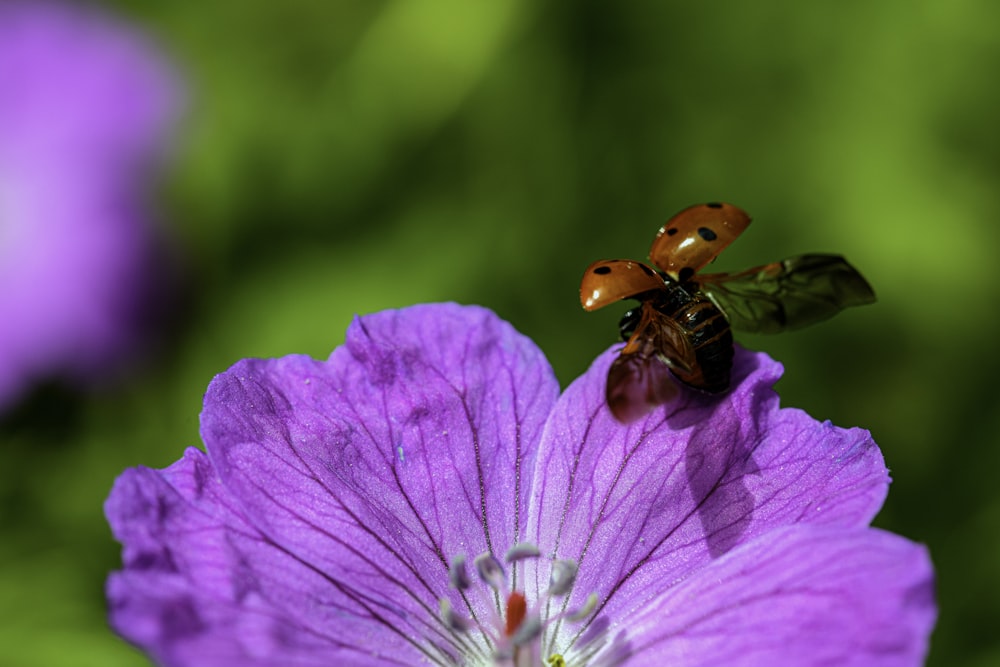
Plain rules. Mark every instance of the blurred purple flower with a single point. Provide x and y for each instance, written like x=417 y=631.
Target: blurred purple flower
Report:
x=85 y=106
x=329 y=521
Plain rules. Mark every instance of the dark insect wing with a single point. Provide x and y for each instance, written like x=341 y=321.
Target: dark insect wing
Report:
x=636 y=385
x=639 y=379
x=787 y=295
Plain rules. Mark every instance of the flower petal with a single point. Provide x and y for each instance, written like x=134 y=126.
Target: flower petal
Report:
x=200 y=586
x=88 y=108
x=643 y=506
x=801 y=595
x=412 y=444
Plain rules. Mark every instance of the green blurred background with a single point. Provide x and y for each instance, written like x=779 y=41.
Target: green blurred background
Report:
x=341 y=158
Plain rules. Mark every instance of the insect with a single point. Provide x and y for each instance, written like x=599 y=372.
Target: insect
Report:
x=683 y=323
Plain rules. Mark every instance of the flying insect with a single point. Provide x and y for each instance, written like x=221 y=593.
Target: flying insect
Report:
x=682 y=327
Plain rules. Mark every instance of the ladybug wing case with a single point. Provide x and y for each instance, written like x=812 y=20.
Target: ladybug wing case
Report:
x=610 y=280
x=695 y=236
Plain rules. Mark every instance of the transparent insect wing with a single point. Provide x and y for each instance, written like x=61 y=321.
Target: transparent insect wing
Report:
x=695 y=236
x=611 y=280
x=789 y=294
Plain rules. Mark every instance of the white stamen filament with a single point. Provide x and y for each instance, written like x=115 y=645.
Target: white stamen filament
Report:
x=515 y=626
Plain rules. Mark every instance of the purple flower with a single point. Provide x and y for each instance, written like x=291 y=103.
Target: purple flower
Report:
x=84 y=107
x=427 y=496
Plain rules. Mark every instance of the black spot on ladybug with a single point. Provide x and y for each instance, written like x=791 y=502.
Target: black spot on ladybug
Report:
x=685 y=274
x=713 y=204
x=602 y=270
x=671 y=231
x=706 y=233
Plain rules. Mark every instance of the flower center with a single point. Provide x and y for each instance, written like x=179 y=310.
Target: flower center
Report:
x=505 y=627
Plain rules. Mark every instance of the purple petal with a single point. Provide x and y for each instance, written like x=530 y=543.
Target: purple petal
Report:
x=411 y=445
x=201 y=586
x=802 y=595
x=80 y=86
x=644 y=506
x=87 y=105
x=338 y=492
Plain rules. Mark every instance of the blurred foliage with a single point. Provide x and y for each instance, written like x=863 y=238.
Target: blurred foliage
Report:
x=341 y=158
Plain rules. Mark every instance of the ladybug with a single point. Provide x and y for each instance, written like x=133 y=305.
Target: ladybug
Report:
x=683 y=324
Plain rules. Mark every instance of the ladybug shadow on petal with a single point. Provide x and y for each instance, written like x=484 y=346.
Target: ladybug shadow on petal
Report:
x=718 y=455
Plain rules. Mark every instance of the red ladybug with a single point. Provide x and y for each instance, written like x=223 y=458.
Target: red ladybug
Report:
x=682 y=325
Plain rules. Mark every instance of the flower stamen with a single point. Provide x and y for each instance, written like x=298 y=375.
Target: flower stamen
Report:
x=491 y=572
x=458 y=574
x=515 y=625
